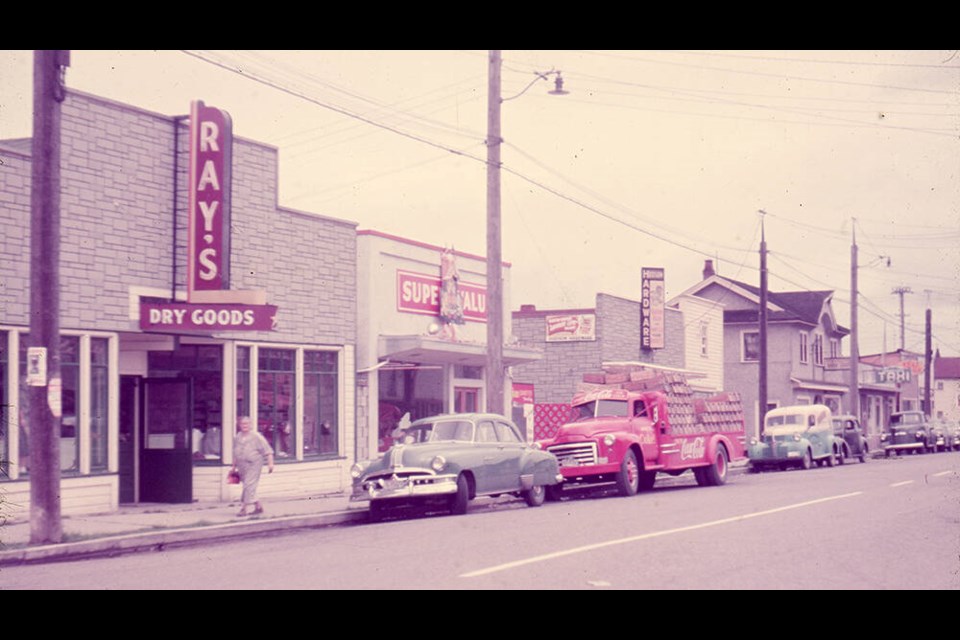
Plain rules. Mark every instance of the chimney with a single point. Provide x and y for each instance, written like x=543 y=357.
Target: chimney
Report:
x=708 y=269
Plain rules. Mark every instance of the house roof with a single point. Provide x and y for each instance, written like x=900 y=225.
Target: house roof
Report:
x=946 y=368
x=805 y=306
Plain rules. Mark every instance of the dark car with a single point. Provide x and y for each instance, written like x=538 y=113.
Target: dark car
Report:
x=947 y=435
x=908 y=431
x=847 y=429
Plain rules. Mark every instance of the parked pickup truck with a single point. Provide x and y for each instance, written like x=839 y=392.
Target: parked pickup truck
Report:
x=626 y=437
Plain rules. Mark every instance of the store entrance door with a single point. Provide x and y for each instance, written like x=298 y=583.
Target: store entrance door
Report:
x=466 y=399
x=166 y=455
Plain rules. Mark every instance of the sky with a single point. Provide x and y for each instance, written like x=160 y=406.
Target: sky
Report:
x=652 y=159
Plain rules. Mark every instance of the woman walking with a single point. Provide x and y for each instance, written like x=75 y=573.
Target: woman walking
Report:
x=250 y=451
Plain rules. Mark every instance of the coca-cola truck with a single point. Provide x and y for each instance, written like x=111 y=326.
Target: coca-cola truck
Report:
x=627 y=436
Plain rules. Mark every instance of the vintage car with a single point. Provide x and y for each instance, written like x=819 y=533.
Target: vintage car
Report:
x=796 y=435
x=853 y=443
x=908 y=431
x=946 y=435
x=448 y=460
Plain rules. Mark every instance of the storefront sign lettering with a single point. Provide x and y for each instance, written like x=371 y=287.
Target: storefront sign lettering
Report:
x=207 y=317
x=420 y=293
x=208 y=241
x=893 y=374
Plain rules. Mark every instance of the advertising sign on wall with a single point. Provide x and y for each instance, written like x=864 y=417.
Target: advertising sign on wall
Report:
x=420 y=293
x=208 y=235
x=652 y=308
x=578 y=327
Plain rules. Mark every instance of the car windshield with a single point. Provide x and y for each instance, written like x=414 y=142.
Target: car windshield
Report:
x=905 y=418
x=600 y=408
x=460 y=430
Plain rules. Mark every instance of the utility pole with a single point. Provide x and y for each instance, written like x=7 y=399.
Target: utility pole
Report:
x=854 y=343
x=495 y=378
x=762 y=399
x=901 y=291
x=45 y=393
x=928 y=359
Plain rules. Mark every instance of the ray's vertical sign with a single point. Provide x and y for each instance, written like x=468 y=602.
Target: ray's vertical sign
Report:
x=208 y=238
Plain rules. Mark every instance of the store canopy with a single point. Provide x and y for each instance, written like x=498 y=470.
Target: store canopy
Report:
x=435 y=350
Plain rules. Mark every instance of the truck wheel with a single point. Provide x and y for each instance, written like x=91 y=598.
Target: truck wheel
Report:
x=628 y=480
x=459 y=500
x=831 y=459
x=535 y=496
x=716 y=474
x=807 y=461
x=844 y=454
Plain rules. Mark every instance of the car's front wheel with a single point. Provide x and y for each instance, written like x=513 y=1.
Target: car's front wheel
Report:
x=535 y=496
x=807 y=460
x=460 y=500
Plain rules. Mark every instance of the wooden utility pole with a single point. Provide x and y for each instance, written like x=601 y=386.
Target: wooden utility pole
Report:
x=495 y=377
x=854 y=329
x=900 y=291
x=928 y=359
x=45 y=392
x=762 y=399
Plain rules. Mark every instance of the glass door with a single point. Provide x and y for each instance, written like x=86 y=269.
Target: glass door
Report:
x=166 y=459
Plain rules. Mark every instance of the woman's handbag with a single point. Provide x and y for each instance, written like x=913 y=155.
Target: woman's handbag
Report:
x=233 y=477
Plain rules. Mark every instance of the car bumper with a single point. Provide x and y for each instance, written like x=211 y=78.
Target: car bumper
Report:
x=904 y=446
x=411 y=487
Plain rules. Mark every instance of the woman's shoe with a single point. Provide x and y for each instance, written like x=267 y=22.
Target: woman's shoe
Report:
x=258 y=511
x=242 y=513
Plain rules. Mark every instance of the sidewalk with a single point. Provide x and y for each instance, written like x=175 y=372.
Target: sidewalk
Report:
x=155 y=526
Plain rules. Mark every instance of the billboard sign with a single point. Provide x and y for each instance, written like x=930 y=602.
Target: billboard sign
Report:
x=420 y=293
x=652 y=305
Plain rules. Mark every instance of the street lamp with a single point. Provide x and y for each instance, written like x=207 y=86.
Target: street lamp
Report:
x=495 y=377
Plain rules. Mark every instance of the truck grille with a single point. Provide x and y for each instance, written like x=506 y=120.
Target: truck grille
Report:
x=576 y=454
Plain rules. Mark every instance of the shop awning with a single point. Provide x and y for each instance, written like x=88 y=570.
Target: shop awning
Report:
x=819 y=385
x=434 y=350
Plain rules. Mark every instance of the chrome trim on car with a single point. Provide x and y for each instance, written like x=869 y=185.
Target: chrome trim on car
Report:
x=409 y=483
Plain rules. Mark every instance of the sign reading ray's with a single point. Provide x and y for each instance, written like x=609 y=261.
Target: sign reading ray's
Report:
x=208 y=239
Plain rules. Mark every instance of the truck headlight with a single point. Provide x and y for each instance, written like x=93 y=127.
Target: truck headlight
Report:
x=754 y=442
x=796 y=437
x=883 y=437
x=356 y=470
x=438 y=463
x=609 y=439
x=918 y=435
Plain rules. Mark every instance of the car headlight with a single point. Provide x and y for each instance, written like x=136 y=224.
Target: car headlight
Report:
x=356 y=470
x=796 y=437
x=609 y=439
x=883 y=436
x=754 y=442
x=438 y=463
x=918 y=435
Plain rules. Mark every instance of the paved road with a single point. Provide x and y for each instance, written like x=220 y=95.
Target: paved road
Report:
x=887 y=524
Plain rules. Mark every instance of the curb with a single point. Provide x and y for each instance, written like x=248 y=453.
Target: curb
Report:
x=158 y=541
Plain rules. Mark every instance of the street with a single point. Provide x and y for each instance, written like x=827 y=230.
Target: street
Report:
x=886 y=524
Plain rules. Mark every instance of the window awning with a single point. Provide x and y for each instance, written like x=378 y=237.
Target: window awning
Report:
x=434 y=350
x=819 y=385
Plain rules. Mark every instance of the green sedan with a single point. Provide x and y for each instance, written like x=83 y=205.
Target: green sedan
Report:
x=450 y=459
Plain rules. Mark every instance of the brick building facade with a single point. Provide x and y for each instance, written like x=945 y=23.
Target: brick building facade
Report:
x=123 y=242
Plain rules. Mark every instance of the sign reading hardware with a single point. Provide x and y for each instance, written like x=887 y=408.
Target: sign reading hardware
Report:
x=208 y=236
x=420 y=293
x=207 y=317
x=652 y=308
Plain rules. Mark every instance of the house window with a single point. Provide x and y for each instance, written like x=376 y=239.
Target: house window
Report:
x=940 y=386
x=704 y=328
x=818 y=350
x=804 y=347
x=834 y=348
x=750 y=346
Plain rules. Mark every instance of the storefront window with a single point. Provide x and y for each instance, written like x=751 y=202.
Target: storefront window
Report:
x=276 y=388
x=203 y=365
x=99 y=367
x=243 y=381
x=320 y=402
x=69 y=425
x=414 y=389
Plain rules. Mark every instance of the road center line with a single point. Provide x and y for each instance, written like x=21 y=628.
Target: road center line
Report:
x=900 y=484
x=942 y=473
x=647 y=536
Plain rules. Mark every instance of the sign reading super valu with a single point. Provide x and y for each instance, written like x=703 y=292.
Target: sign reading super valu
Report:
x=208 y=239
x=420 y=293
x=207 y=317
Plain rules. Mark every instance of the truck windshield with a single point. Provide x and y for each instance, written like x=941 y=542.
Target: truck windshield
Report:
x=778 y=421
x=905 y=418
x=601 y=408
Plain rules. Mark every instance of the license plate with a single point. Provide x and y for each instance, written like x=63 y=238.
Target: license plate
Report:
x=393 y=485
x=570 y=462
